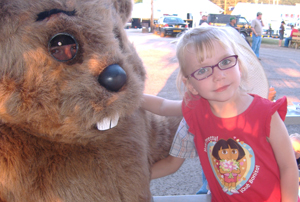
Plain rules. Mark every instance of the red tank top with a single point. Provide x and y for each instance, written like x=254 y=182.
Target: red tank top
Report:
x=236 y=157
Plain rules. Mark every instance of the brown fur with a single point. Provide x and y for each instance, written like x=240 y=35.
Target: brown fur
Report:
x=50 y=149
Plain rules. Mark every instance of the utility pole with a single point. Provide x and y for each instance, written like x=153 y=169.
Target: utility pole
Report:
x=151 y=18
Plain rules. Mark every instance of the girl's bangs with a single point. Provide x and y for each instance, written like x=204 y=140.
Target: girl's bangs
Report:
x=204 y=44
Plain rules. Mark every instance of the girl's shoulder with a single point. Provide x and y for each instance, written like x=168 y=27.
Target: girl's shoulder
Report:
x=270 y=107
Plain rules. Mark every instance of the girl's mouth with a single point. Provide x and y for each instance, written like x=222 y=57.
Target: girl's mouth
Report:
x=223 y=88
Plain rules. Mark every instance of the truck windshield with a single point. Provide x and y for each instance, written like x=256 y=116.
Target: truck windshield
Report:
x=242 y=21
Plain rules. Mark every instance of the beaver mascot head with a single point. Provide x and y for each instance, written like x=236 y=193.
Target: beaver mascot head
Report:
x=71 y=84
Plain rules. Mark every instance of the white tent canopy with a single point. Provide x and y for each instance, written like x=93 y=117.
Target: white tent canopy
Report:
x=271 y=13
x=179 y=7
x=143 y=10
x=188 y=6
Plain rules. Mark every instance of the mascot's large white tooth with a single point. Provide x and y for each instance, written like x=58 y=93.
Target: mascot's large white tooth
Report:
x=108 y=123
x=114 y=121
x=104 y=124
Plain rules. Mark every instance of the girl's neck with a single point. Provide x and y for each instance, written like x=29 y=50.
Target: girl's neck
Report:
x=231 y=108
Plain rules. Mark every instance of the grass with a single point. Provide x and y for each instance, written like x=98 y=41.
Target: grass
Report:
x=273 y=41
x=270 y=41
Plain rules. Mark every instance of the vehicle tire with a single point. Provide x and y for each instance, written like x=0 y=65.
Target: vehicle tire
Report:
x=248 y=42
x=162 y=33
x=244 y=35
x=155 y=31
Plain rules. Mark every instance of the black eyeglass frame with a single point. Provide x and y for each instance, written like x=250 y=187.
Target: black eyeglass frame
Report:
x=212 y=67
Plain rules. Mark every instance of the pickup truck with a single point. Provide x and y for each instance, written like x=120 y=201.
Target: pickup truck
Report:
x=223 y=20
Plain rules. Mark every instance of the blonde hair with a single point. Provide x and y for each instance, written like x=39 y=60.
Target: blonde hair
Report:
x=202 y=39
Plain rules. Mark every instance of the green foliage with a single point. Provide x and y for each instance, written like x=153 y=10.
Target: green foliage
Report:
x=138 y=1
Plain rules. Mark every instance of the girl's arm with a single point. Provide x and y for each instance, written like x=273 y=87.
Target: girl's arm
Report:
x=166 y=166
x=285 y=157
x=161 y=106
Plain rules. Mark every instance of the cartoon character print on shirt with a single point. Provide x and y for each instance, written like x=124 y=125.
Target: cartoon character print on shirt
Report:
x=232 y=163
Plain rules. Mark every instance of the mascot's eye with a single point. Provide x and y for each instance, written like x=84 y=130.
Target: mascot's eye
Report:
x=63 y=47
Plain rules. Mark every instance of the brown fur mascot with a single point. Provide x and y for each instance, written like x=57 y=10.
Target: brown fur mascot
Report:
x=70 y=89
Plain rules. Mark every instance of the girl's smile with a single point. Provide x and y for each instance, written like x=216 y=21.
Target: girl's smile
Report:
x=221 y=89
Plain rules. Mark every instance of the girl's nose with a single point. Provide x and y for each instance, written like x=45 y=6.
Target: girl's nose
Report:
x=218 y=74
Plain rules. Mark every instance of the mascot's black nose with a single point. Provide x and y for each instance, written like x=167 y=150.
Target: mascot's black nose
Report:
x=113 y=78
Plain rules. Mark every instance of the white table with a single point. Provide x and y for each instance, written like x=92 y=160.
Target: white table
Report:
x=183 y=198
x=292 y=116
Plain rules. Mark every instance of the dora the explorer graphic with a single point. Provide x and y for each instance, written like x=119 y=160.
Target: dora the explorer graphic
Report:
x=228 y=153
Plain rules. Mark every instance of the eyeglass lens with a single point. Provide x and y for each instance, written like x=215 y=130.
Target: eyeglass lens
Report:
x=205 y=72
x=63 y=47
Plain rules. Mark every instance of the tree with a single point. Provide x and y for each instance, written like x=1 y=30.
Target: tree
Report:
x=232 y=3
x=138 y=1
x=151 y=18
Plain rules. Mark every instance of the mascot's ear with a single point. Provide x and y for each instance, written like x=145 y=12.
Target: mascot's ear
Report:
x=124 y=9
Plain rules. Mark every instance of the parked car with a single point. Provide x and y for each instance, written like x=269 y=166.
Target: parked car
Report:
x=267 y=32
x=275 y=33
x=170 y=25
x=287 y=32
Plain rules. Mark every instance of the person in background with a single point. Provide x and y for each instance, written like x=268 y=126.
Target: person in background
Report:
x=183 y=147
x=270 y=31
x=203 y=20
x=256 y=26
x=288 y=39
x=281 y=32
x=232 y=23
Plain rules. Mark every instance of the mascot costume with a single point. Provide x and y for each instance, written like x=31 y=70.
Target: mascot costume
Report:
x=71 y=86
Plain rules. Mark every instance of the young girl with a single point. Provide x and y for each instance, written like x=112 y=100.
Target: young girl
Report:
x=213 y=66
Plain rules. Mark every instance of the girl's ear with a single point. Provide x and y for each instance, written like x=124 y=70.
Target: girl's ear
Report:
x=189 y=86
x=192 y=89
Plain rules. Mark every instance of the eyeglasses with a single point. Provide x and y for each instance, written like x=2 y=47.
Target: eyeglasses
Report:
x=205 y=72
